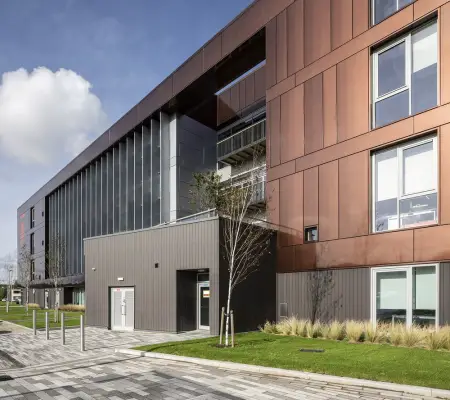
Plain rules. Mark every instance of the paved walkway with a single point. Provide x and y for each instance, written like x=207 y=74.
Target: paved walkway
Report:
x=125 y=377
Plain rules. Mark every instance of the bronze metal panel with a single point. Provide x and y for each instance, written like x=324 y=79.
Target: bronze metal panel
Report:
x=123 y=125
x=260 y=83
x=342 y=253
x=295 y=37
x=282 y=46
x=273 y=124
x=285 y=259
x=271 y=53
x=224 y=110
x=273 y=201
x=444 y=174
x=390 y=248
x=155 y=99
x=242 y=93
x=445 y=53
x=281 y=170
x=329 y=107
x=431 y=244
x=292 y=124
x=305 y=257
x=341 y=22
x=280 y=88
x=188 y=72
x=329 y=201
x=234 y=99
x=311 y=196
x=212 y=52
x=291 y=208
x=250 y=90
x=317 y=29
x=361 y=16
x=314 y=114
x=432 y=118
x=354 y=195
x=353 y=96
x=423 y=7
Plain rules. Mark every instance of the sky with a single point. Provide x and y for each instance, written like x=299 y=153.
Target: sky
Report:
x=70 y=68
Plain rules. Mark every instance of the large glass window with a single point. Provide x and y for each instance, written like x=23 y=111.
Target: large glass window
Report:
x=381 y=9
x=110 y=196
x=146 y=177
x=138 y=180
x=116 y=163
x=405 y=185
x=130 y=184
x=104 y=196
x=406 y=295
x=405 y=76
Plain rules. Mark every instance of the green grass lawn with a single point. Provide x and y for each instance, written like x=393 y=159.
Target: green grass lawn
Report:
x=410 y=366
x=18 y=315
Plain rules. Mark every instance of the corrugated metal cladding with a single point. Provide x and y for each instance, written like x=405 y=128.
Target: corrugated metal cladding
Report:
x=444 y=293
x=133 y=256
x=349 y=297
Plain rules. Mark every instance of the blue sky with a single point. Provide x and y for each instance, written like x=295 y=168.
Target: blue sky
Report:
x=121 y=48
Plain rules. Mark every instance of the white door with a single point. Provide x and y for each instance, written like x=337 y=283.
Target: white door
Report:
x=122 y=309
x=203 y=294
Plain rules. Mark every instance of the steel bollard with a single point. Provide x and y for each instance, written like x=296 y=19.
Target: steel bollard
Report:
x=82 y=332
x=7 y=306
x=47 y=331
x=63 y=330
x=34 y=323
x=221 y=325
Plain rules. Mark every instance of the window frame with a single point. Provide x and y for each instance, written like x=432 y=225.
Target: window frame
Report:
x=32 y=244
x=373 y=14
x=409 y=290
x=32 y=217
x=401 y=147
x=407 y=39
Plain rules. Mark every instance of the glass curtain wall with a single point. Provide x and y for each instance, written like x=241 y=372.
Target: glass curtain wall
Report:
x=118 y=192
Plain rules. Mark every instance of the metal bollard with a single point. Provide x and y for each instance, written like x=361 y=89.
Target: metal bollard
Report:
x=82 y=332
x=232 y=329
x=7 y=306
x=34 y=323
x=63 y=330
x=47 y=331
x=221 y=325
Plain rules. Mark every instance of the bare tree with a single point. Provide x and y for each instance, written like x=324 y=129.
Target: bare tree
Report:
x=320 y=287
x=55 y=264
x=25 y=265
x=246 y=238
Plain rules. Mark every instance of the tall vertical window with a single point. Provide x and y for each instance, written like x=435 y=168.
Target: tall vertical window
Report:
x=407 y=294
x=405 y=76
x=32 y=218
x=381 y=9
x=405 y=185
x=32 y=243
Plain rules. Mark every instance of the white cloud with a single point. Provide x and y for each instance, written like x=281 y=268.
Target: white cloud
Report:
x=47 y=116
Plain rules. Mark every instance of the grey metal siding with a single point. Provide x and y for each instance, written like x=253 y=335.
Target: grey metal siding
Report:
x=133 y=257
x=444 y=293
x=349 y=297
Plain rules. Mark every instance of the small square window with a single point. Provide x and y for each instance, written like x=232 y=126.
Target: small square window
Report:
x=311 y=234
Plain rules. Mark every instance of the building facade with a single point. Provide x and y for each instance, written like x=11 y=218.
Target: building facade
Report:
x=347 y=103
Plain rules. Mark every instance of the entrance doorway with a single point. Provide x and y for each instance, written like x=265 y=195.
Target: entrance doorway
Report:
x=203 y=295
x=122 y=309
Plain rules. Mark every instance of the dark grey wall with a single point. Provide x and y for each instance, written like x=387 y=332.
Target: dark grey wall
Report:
x=444 y=293
x=349 y=297
x=133 y=256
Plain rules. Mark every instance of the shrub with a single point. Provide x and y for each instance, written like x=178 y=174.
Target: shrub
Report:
x=314 y=330
x=354 y=330
x=412 y=336
x=395 y=334
x=284 y=327
x=72 y=307
x=268 y=327
x=436 y=340
x=297 y=326
x=335 y=331
x=445 y=331
x=375 y=333
x=34 y=305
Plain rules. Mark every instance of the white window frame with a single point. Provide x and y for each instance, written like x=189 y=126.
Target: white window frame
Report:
x=409 y=290
x=397 y=10
x=408 y=70
x=400 y=185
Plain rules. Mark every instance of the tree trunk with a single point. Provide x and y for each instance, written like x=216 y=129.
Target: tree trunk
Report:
x=26 y=302
x=227 y=324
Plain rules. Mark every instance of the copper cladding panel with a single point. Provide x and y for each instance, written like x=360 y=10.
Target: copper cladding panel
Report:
x=360 y=17
x=212 y=52
x=234 y=99
x=311 y=196
x=423 y=7
x=295 y=39
x=317 y=29
x=341 y=22
x=444 y=172
x=188 y=72
x=285 y=259
x=291 y=208
x=305 y=257
x=292 y=124
x=273 y=123
x=224 y=111
x=282 y=46
x=271 y=53
x=431 y=244
x=273 y=201
x=242 y=84
x=445 y=53
x=313 y=114
x=329 y=107
x=260 y=83
x=390 y=248
x=328 y=201
x=249 y=89
x=354 y=195
x=432 y=118
x=353 y=96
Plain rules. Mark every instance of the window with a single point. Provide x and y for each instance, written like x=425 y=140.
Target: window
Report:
x=405 y=185
x=405 y=76
x=407 y=295
x=311 y=234
x=32 y=243
x=32 y=269
x=32 y=220
x=381 y=9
